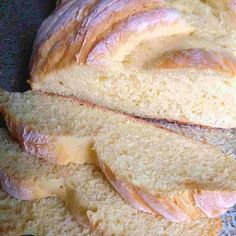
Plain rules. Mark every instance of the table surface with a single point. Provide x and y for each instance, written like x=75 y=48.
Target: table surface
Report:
x=19 y=22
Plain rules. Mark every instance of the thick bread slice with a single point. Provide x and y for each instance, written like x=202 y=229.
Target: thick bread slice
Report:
x=114 y=53
x=54 y=128
x=92 y=200
x=177 y=179
x=180 y=197
x=43 y=217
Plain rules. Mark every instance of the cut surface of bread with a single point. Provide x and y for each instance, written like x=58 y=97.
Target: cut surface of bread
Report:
x=161 y=59
x=43 y=217
x=149 y=164
x=91 y=199
x=57 y=129
x=180 y=179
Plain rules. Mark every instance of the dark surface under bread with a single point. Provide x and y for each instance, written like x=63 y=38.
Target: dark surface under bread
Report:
x=19 y=22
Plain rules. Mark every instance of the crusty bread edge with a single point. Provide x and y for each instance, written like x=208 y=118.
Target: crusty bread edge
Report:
x=180 y=207
x=21 y=190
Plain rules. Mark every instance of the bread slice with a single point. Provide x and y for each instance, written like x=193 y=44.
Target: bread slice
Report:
x=159 y=59
x=41 y=217
x=176 y=179
x=125 y=146
x=59 y=130
x=90 y=198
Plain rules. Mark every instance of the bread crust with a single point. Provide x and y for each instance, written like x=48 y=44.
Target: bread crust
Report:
x=32 y=141
x=70 y=38
x=131 y=33
x=59 y=150
x=126 y=190
x=197 y=58
x=20 y=189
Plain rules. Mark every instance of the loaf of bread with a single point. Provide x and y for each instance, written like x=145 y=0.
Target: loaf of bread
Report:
x=152 y=168
x=162 y=59
x=43 y=217
x=87 y=195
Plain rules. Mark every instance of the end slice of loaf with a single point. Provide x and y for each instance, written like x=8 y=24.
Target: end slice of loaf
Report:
x=89 y=197
x=202 y=171
x=41 y=217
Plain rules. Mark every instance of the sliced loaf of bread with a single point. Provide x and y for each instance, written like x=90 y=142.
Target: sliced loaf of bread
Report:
x=182 y=176
x=45 y=217
x=167 y=59
x=88 y=196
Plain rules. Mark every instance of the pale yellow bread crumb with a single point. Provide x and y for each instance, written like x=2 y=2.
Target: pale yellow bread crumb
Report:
x=92 y=200
x=40 y=217
x=192 y=184
x=182 y=193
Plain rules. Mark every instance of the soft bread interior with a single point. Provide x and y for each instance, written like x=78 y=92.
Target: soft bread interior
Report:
x=211 y=106
x=143 y=145
x=39 y=217
x=187 y=176
x=87 y=194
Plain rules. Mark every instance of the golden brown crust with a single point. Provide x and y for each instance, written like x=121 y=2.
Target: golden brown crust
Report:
x=108 y=17
x=127 y=191
x=78 y=31
x=33 y=142
x=197 y=58
x=214 y=203
x=59 y=150
x=54 y=38
x=131 y=33
x=21 y=190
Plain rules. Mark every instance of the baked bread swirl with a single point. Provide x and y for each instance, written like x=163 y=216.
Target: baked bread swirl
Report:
x=88 y=196
x=161 y=59
x=186 y=173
